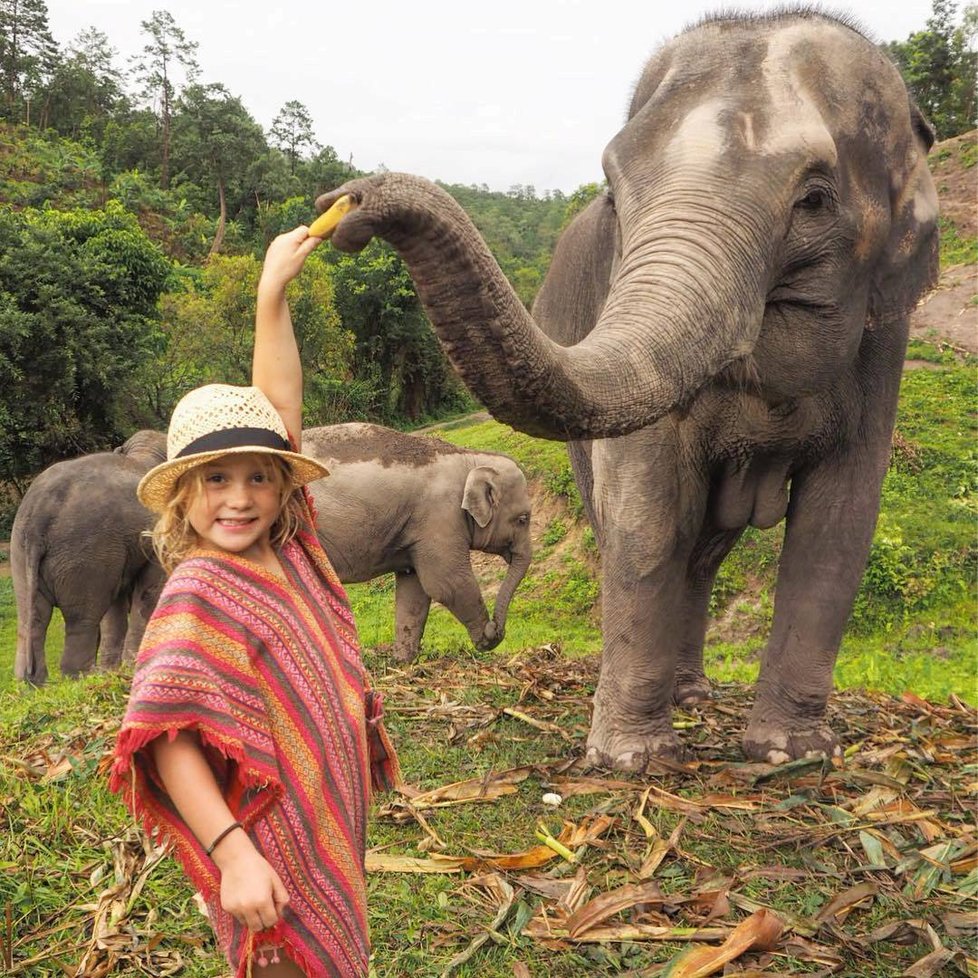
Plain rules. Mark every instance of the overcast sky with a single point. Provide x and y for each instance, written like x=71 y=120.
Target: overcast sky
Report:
x=513 y=92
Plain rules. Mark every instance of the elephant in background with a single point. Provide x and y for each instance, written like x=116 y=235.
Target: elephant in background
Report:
x=720 y=337
x=77 y=544
x=415 y=506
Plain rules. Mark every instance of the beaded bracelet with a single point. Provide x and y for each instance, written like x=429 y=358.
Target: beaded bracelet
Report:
x=222 y=835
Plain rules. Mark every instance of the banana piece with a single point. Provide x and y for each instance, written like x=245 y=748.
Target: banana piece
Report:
x=324 y=225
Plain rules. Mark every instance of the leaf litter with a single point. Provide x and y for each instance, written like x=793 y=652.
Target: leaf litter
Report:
x=867 y=866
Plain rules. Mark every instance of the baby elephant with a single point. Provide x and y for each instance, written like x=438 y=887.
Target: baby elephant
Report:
x=416 y=506
x=76 y=545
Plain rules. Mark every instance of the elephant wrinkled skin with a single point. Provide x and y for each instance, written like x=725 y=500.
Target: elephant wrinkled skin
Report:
x=415 y=506
x=720 y=337
x=76 y=544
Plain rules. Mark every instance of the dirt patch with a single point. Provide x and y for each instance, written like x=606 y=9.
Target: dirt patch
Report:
x=949 y=314
x=954 y=166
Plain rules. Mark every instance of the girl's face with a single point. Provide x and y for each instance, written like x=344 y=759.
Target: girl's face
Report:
x=238 y=503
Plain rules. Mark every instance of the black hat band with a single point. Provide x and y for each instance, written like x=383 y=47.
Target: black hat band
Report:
x=219 y=441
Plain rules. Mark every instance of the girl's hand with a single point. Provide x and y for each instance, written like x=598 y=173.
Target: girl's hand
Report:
x=251 y=890
x=285 y=257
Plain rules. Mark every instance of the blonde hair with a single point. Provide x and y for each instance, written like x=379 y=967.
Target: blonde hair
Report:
x=174 y=539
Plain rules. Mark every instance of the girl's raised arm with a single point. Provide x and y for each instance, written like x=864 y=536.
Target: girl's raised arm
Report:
x=276 y=368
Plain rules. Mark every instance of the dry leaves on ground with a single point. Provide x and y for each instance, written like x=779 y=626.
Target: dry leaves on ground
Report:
x=890 y=828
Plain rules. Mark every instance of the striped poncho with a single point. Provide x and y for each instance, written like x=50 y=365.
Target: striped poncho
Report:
x=268 y=672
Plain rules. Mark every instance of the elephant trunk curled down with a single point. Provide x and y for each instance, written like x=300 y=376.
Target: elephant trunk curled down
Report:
x=735 y=310
x=415 y=507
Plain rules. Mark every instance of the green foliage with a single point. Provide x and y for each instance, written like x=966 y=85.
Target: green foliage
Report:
x=208 y=325
x=925 y=555
x=215 y=145
x=40 y=169
x=955 y=249
x=26 y=51
x=939 y=68
x=519 y=228
x=396 y=350
x=78 y=293
x=555 y=532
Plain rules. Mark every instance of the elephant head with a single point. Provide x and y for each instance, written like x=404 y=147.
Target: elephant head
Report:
x=769 y=202
x=145 y=446
x=496 y=498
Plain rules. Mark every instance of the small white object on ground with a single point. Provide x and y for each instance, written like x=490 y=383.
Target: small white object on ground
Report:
x=551 y=798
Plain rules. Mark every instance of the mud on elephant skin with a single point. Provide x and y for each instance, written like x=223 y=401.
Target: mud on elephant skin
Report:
x=76 y=544
x=415 y=506
x=735 y=308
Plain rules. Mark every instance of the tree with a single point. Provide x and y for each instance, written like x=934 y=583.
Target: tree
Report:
x=215 y=140
x=209 y=329
x=940 y=69
x=397 y=352
x=85 y=91
x=27 y=54
x=291 y=130
x=168 y=50
x=78 y=292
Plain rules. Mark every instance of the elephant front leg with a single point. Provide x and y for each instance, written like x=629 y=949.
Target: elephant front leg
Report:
x=448 y=579
x=831 y=519
x=632 y=719
x=411 y=606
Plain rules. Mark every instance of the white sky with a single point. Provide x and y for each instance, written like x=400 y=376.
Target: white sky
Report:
x=512 y=92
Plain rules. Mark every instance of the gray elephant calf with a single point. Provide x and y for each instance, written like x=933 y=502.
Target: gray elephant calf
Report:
x=416 y=506
x=76 y=545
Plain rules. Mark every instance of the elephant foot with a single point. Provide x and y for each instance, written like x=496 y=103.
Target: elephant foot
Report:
x=691 y=688
x=405 y=653
x=776 y=742
x=631 y=751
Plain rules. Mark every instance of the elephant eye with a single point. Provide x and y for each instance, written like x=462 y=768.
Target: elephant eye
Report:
x=523 y=519
x=817 y=198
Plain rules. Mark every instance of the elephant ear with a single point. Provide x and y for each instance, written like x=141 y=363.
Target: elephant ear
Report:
x=909 y=264
x=481 y=496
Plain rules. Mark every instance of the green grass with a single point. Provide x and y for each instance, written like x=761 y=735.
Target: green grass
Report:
x=914 y=629
x=955 y=248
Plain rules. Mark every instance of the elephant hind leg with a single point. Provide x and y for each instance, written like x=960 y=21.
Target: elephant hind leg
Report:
x=81 y=646
x=112 y=633
x=411 y=606
x=30 y=662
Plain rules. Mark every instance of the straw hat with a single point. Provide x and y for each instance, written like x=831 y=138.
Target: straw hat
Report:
x=218 y=420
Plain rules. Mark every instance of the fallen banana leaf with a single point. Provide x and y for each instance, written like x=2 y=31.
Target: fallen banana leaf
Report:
x=608 y=904
x=488 y=788
x=553 y=928
x=760 y=930
x=382 y=862
x=838 y=908
x=505 y=895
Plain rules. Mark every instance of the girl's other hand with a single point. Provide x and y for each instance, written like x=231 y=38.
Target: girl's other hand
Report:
x=251 y=891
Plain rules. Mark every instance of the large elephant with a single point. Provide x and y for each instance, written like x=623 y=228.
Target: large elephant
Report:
x=721 y=337
x=415 y=506
x=77 y=545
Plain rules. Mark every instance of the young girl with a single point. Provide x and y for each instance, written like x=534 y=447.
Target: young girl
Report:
x=251 y=734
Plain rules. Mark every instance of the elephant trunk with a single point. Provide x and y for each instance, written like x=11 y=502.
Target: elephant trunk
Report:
x=678 y=312
x=518 y=566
